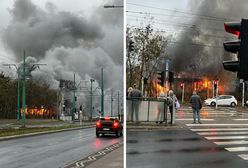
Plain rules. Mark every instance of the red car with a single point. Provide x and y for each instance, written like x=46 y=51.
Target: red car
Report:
x=109 y=125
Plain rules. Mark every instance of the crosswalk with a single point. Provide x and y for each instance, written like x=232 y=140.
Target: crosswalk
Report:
x=232 y=137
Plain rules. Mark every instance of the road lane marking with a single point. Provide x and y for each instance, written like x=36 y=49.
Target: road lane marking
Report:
x=244 y=156
x=225 y=137
x=220 y=129
x=242 y=142
x=237 y=149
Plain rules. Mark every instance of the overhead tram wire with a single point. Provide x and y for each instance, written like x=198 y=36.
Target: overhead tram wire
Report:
x=187 y=13
x=196 y=44
x=166 y=31
x=163 y=22
x=181 y=16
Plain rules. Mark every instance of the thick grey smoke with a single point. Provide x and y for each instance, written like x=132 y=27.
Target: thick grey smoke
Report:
x=37 y=31
x=209 y=54
x=69 y=43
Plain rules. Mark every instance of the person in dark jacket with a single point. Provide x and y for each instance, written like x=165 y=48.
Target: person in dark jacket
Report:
x=135 y=95
x=196 y=104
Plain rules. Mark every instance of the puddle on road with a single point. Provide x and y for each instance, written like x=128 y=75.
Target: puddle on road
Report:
x=132 y=141
x=189 y=150
x=175 y=140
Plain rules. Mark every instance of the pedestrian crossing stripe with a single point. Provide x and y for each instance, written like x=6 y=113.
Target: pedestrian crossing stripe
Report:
x=222 y=133
x=241 y=142
x=237 y=149
x=235 y=135
x=226 y=137
x=244 y=156
x=240 y=119
x=220 y=129
x=190 y=119
x=214 y=125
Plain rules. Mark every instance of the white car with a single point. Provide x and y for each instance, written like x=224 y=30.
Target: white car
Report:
x=223 y=100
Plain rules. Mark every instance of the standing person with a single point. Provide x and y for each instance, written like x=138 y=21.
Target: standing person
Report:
x=161 y=107
x=171 y=103
x=196 y=104
x=129 y=104
x=135 y=95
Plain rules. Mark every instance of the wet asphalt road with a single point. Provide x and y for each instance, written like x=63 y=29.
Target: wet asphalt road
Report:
x=193 y=145
x=51 y=150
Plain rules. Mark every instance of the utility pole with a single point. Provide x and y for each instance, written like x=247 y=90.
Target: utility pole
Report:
x=24 y=93
x=183 y=93
x=166 y=76
x=217 y=96
x=74 y=101
x=102 y=94
x=21 y=76
x=18 y=95
x=91 y=98
x=118 y=99
x=111 y=102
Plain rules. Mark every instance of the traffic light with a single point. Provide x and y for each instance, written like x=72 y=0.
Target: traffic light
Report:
x=239 y=46
x=75 y=98
x=131 y=46
x=81 y=108
x=160 y=77
x=145 y=81
x=215 y=83
x=181 y=85
x=171 y=77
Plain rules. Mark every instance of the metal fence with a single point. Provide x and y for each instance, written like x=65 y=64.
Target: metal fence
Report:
x=146 y=109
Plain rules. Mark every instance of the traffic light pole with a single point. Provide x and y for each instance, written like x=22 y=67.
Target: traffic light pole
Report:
x=166 y=76
x=243 y=93
x=183 y=94
x=216 y=104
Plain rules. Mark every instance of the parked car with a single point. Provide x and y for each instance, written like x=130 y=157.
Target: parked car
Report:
x=109 y=125
x=223 y=100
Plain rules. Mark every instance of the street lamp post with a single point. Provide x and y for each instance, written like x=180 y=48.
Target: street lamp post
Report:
x=102 y=94
x=74 y=101
x=24 y=93
x=91 y=98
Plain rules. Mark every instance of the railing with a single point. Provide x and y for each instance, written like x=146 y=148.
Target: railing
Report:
x=146 y=110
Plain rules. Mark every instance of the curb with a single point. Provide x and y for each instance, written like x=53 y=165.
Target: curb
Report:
x=42 y=133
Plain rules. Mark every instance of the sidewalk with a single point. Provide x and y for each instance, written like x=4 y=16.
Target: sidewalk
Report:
x=112 y=160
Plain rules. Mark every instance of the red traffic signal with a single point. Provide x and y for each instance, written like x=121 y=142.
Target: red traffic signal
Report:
x=181 y=85
x=233 y=27
x=215 y=84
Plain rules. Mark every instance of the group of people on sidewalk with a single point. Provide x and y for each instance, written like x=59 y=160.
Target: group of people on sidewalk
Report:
x=172 y=103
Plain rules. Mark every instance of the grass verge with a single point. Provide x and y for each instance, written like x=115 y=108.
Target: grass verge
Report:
x=22 y=131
